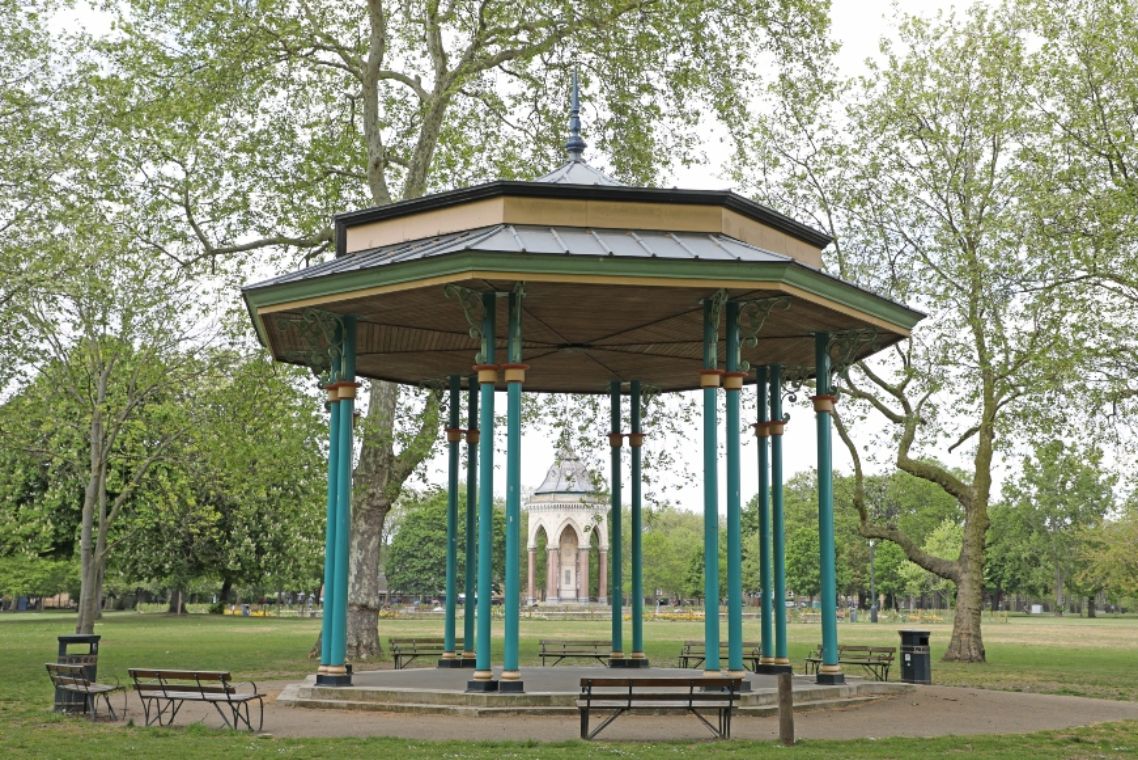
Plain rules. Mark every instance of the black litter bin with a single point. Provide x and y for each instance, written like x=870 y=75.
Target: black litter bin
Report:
x=916 y=662
x=70 y=701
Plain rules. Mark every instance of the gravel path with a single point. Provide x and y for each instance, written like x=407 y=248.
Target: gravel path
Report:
x=929 y=711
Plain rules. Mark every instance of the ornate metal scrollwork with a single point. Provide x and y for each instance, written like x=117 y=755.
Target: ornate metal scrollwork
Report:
x=753 y=315
x=718 y=300
x=793 y=380
x=472 y=309
x=844 y=348
x=318 y=335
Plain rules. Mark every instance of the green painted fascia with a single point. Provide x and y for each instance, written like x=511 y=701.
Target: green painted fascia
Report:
x=746 y=273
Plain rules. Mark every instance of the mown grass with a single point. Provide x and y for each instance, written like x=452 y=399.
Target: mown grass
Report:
x=1069 y=656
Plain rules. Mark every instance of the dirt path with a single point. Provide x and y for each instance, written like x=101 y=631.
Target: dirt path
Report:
x=929 y=711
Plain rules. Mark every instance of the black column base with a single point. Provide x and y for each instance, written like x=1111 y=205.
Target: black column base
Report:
x=629 y=662
x=468 y=662
x=454 y=662
x=770 y=669
x=333 y=679
x=831 y=679
x=481 y=687
x=510 y=687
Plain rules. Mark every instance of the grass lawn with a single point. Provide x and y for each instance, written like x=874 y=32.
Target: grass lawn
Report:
x=1066 y=656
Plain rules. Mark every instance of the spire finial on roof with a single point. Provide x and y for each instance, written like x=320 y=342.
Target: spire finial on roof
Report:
x=575 y=145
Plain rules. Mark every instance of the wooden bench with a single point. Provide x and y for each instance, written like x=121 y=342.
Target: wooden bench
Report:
x=404 y=651
x=73 y=678
x=875 y=660
x=163 y=692
x=694 y=694
x=693 y=653
x=590 y=649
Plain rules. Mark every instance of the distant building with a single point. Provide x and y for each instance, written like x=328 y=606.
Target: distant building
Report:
x=568 y=511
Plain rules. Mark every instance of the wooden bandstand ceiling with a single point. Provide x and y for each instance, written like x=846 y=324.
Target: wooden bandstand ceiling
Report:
x=613 y=276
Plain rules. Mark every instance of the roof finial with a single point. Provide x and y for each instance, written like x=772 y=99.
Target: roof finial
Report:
x=575 y=146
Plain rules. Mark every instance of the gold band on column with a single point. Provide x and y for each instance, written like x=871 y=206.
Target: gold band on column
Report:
x=776 y=427
x=454 y=435
x=342 y=390
x=336 y=670
x=830 y=669
x=511 y=675
x=616 y=440
x=635 y=440
x=487 y=373
x=782 y=661
x=733 y=381
x=824 y=402
x=483 y=675
x=762 y=429
x=472 y=436
x=710 y=378
x=515 y=373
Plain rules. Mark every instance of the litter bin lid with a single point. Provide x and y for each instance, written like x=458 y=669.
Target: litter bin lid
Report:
x=79 y=638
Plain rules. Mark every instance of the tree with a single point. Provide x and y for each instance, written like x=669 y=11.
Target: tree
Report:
x=323 y=106
x=1063 y=491
x=1109 y=562
x=926 y=181
x=113 y=337
x=415 y=558
x=243 y=492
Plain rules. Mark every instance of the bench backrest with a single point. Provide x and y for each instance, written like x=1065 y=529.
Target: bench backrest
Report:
x=858 y=649
x=66 y=675
x=562 y=643
x=693 y=646
x=420 y=642
x=159 y=680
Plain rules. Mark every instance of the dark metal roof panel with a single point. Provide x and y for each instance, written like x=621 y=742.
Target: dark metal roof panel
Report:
x=525 y=239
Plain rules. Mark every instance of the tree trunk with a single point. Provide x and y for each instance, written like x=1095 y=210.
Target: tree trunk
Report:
x=967 y=643
x=363 y=587
x=226 y=590
x=176 y=605
x=1090 y=605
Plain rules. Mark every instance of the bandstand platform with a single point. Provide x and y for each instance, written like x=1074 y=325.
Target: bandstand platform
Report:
x=549 y=691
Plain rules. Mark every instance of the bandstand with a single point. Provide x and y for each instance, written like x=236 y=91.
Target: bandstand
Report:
x=574 y=283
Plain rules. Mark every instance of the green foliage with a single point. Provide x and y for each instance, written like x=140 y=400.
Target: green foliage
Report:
x=24 y=575
x=415 y=557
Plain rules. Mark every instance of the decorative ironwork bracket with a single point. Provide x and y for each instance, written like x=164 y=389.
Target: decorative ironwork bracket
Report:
x=753 y=314
x=320 y=334
x=471 y=303
x=793 y=379
x=844 y=348
x=718 y=301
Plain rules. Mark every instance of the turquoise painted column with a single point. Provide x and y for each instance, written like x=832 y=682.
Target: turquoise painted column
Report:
x=733 y=385
x=830 y=671
x=470 y=570
x=330 y=523
x=487 y=379
x=515 y=373
x=454 y=435
x=778 y=524
x=635 y=442
x=709 y=380
x=617 y=597
x=762 y=433
x=347 y=393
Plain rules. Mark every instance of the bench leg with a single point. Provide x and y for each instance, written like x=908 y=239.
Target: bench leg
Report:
x=584 y=722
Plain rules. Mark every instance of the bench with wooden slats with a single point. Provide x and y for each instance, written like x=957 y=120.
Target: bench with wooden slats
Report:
x=163 y=692
x=693 y=653
x=876 y=661
x=561 y=649
x=73 y=678
x=406 y=650
x=692 y=694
